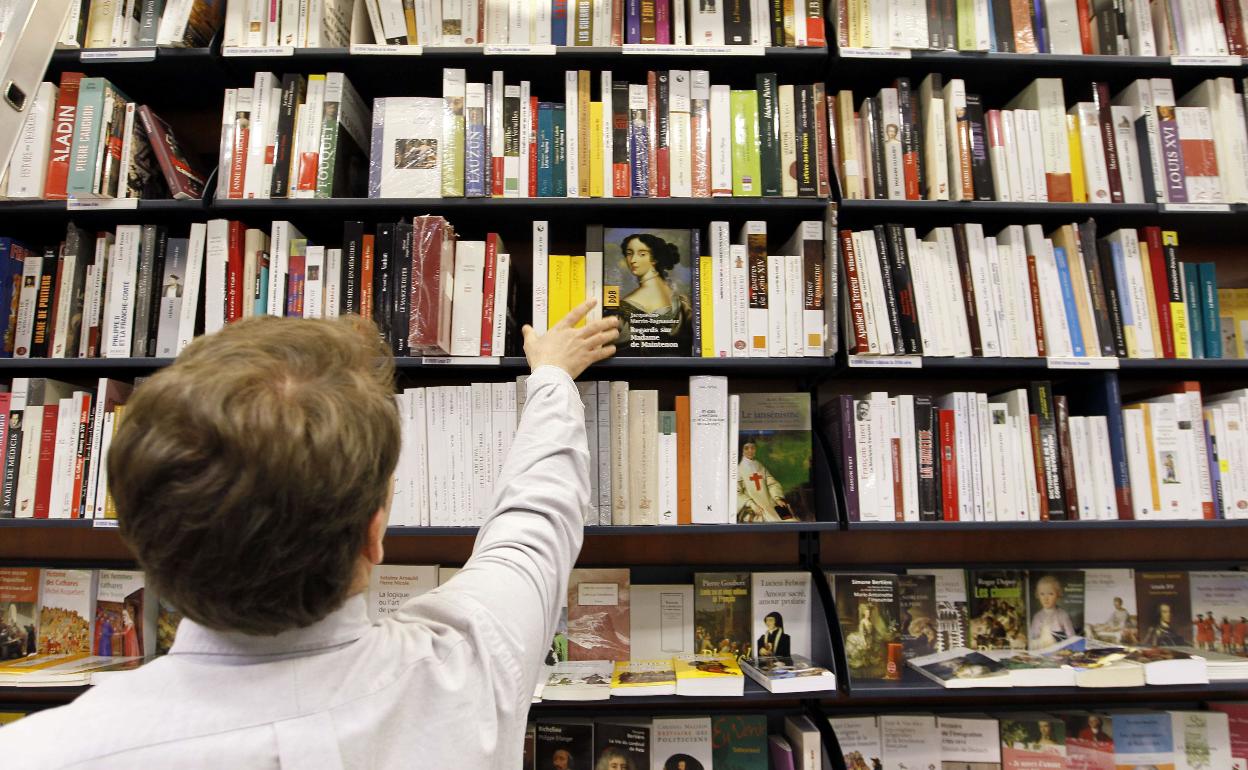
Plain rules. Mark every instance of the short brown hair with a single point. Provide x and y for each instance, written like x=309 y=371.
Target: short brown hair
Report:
x=246 y=473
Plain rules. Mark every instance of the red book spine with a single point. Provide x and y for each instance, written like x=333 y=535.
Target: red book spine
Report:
x=617 y=25
x=81 y=444
x=816 y=37
x=496 y=177
x=422 y=324
x=857 y=318
x=532 y=147
x=366 y=277
x=1085 y=25
x=1037 y=317
x=234 y=274
x=487 y=295
x=948 y=466
x=652 y=125
x=1034 y=422
x=1234 y=27
x=899 y=494
x=47 y=453
x=1161 y=294
x=62 y=140
x=842 y=23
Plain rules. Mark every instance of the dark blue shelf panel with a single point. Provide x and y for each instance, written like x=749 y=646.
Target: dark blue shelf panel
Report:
x=406 y=205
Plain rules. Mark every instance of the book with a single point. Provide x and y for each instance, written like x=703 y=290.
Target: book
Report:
x=1033 y=740
x=181 y=177
x=66 y=612
x=647 y=283
x=773 y=476
x=1109 y=606
x=708 y=675
x=579 y=680
x=951 y=607
x=919 y=624
x=960 y=668
x=781 y=610
x=1165 y=608
x=634 y=678
x=722 y=614
x=661 y=621
x=622 y=743
x=598 y=617
x=866 y=605
x=19 y=611
x=969 y=742
x=565 y=742
x=681 y=742
x=859 y=738
x=739 y=741
x=789 y=674
x=125 y=615
x=997 y=609
x=390 y=586
x=1055 y=606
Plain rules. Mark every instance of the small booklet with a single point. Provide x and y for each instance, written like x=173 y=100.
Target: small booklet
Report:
x=579 y=680
x=789 y=674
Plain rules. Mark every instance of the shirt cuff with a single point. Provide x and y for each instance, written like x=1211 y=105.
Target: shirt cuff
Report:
x=549 y=373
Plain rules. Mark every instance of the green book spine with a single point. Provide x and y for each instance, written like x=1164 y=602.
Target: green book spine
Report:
x=88 y=123
x=966 y=25
x=745 y=170
x=769 y=132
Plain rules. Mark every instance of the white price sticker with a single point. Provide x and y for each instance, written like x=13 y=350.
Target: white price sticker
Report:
x=520 y=50
x=1205 y=61
x=258 y=50
x=104 y=524
x=1218 y=208
x=1076 y=362
x=875 y=53
x=373 y=49
x=728 y=50
x=461 y=361
x=885 y=362
x=118 y=54
x=102 y=204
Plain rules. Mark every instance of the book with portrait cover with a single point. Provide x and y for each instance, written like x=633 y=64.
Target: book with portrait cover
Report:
x=647 y=281
x=773 y=474
x=781 y=614
x=969 y=743
x=739 y=742
x=859 y=738
x=998 y=610
x=67 y=598
x=1109 y=613
x=598 y=622
x=19 y=611
x=125 y=616
x=1164 y=601
x=622 y=744
x=565 y=743
x=681 y=743
x=867 y=607
x=916 y=596
x=1089 y=741
x=721 y=612
x=1055 y=601
x=951 y=607
x=1220 y=607
x=1033 y=742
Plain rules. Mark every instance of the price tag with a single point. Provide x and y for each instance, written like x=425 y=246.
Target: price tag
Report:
x=103 y=524
x=461 y=361
x=102 y=204
x=1219 y=208
x=728 y=50
x=885 y=362
x=1075 y=362
x=373 y=49
x=1205 y=61
x=118 y=54
x=875 y=53
x=655 y=50
x=520 y=50
x=258 y=50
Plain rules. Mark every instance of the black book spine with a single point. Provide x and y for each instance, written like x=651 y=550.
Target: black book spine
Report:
x=1107 y=31
x=1040 y=397
x=1092 y=267
x=981 y=168
x=844 y=433
x=383 y=286
x=768 y=132
x=158 y=273
x=1146 y=161
x=968 y=287
x=1062 y=410
x=401 y=270
x=934 y=421
x=1003 y=25
x=1106 y=260
x=292 y=96
x=949 y=14
x=870 y=115
x=807 y=180
x=890 y=290
x=925 y=440
x=899 y=264
x=45 y=302
x=777 y=22
x=737 y=24
x=12 y=453
x=909 y=98
x=352 y=249
x=935 y=28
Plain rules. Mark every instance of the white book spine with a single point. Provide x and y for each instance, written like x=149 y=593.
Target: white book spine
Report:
x=1095 y=173
x=680 y=137
x=708 y=435
x=777 y=321
x=438 y=477
x=734 y=458
x=643 y=476
x=333 y=282
x=122 y=273
x=788 y=141
x=721 y=141
x=572 y=133
x=57 y=503
x=502 y=275
x=190 y=291
x=216 y=258
x=483 y=471
x=466 y=310
x=64 y=300
x=667 y=479
x=314 y=284
x=740 y=300
x=608 y=136
x=541 y=295
x=706 y=26
x=497 y=22
x=793 y=307
x=29 y=164
x=909 y=457
x=620 y=481
x=605 y=468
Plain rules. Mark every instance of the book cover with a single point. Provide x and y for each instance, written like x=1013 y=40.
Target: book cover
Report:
x=969 y=743
x=866 y=604
x=1220 y=605
x=722 y=613
x=1165 y=608
x=681 y=743
x=181 y=176
x=598 y=617
x=565 y=743
x=1055 y=606
x=1109 y=606
x=1034 y=742
x=781 y=614
x=647 y=282
x=773 y=475
x=19 y=611
x=909 y=740
x=1143 y=739
x=1089 y=741
x=390 y=586
x=997 y=609
x=916 y=596
x=119 y=615
x=739 y=742
x=66 y=598
x=952 y=618
x=621 y=745
x=661 y=621
x=859 y=738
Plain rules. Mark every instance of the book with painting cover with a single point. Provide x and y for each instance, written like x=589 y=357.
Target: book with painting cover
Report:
x=961 y=668
x=866 y=604
x=647 y=282
x=951 y=607
x=781 y=613
x=19 y=612
x=739 y=742
x=1033 y=741
x=643 y=677
x=859 y=739
x=1055 y=606
x=681 y=743
x=722 y=614
x=773 y=474
x=67 y=600
x=998 y=609
x=598 y=620
x=125 y=615
x=919 y=624
x=789 y=674
x=565 y=743
x=708 y=675
x=622 y=744
x=1109 y=606
x=1220 y=608
x=1165 y=608
x=578 y=680
x=1089 y=740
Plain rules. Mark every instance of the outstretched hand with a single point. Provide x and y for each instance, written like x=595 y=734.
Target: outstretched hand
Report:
x=569 y=348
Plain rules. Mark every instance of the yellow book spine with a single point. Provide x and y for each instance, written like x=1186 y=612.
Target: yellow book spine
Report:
x=576 y=285
x=559 y=284
x=1078 y=189
x=706 y=297
x=1154 y=323
x=409 y=19
x=595 y=150
x=110 y=508
x=1178 y=310
x=1152 y=456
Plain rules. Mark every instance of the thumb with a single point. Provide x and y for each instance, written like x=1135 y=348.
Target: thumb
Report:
x=526 y=332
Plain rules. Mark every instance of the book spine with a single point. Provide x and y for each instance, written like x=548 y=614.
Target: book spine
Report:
x=926 y=438
x=858 y=341
x=768 y=132
x=1068 y=460
x=948 y=465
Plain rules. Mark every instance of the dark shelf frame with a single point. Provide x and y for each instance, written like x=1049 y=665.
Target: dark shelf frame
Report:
x=1049 y=526
x=744 y=530
x=876 y=207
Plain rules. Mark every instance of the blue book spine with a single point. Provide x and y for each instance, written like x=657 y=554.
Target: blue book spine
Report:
x=1039 y=25
x=639 y=152
x=1215 y=471
x=1120 y=278
x=993 y=45
x=262 y=291
x=1195 y=316
x=1209 y=306
x=88 y=126
x=545 y=150
x=1068 y=300
x=559 y=22
x=632 y=21
x=474 y=161
x=1104 y=398
x=559 y=154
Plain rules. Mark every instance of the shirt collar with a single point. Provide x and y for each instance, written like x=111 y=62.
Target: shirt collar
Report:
x=342 y=626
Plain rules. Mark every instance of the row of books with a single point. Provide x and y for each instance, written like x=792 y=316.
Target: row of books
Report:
x=678 y=294
x=86 y=139
x=1025 y=293
x=673 y=135
x=137 y=23
x=935 y=618
x=939 y=142
x=1070 y=738
x=599 y=23
x=1068 y=27
x=723 y=741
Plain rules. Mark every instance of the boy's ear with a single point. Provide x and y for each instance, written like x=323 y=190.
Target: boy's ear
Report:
x=374 y=546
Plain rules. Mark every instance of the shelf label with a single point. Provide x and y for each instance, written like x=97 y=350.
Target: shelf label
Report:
x=885 y=362
x=1205 y=61
x=374 y=49
x=519 y=50
x=118 y=54
x=875 y=53
x=258 y=50
x=1197 y=207
x=102 y=204
x=1075 y=362
x=728 y=50
x=655 y=50
x=461 y=361
x=104 y=524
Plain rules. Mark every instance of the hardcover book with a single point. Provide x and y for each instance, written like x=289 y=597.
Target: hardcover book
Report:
x=867 y=606
x=1055 y=606
x=647 y=281
x=1165 y=606
x=19 y=611
x=997 y=607
x=722 y=614
x=598 y=618
x=773 y=475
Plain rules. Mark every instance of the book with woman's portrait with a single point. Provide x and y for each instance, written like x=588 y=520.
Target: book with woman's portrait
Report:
x=647 y=280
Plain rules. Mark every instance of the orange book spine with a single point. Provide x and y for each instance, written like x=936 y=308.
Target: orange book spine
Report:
x=684 y=491
x=366 y=278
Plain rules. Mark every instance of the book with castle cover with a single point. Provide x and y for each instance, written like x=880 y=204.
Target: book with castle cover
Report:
x=1055 y=611
x=773 y=474
x=998 y=609
x=647 y=281
x=1109 y=606
x=739 y=742
x=1165 y=606
x=721 y=613
x=19 y=611
x=867 y=607
x=598 y=622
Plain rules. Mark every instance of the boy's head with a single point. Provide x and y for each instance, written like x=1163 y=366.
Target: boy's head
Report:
x=252 y=478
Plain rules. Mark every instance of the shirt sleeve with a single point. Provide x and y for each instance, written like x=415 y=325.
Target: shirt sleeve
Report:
x=519 y=568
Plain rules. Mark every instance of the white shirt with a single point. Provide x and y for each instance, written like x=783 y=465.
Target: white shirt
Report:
x=444 y=682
